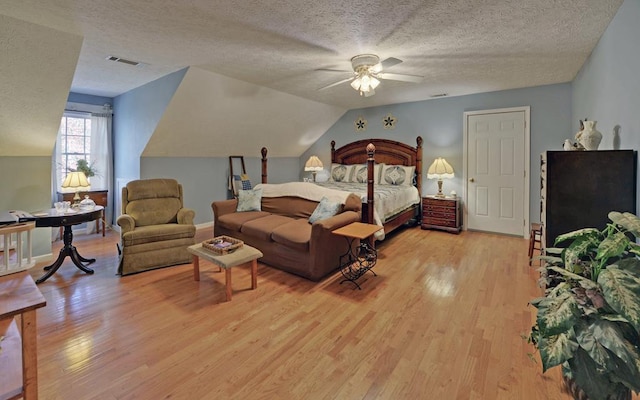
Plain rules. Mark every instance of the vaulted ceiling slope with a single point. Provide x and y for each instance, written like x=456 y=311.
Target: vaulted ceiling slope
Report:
x=36 y=70
x=211 y=115
x=459 y=46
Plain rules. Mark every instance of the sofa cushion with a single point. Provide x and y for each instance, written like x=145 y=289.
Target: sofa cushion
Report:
x=261 y=228
x=290 y=206
x=295 y=234
x=234 y=221
x=157 y=233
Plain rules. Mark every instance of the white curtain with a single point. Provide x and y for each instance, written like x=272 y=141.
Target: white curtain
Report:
x=101 y=157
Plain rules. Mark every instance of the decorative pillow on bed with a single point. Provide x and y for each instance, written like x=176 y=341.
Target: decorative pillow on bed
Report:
x=398 y=175
x=360 y=173
x=341 y=172
x=249 y=200
x=325 y=209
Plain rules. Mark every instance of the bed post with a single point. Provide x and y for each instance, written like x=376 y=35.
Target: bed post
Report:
x=419 y=164
x=371 y=149
x=264 y=164
x=333 y=153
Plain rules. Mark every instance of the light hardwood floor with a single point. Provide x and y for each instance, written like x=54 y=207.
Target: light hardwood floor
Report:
x=442 y=320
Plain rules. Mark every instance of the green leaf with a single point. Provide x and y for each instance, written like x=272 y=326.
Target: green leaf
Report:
x=554 y=250
x=626 y=220
x=578 y=249
x=589 y=377
x=621 y=290
x=631 y=264
x=612 y=246
x=557 y=314
x=576 y=234
x=606 y=344
x=554 y=350
x=584 y=282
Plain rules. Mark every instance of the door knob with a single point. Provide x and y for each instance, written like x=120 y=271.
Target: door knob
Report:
x=472 y=180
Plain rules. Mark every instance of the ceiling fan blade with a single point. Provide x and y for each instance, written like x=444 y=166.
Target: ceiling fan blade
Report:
x=390 y=62
x=336 y=83
x=401 y=77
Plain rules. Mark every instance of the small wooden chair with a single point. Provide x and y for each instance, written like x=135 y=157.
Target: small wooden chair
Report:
x=535 y=238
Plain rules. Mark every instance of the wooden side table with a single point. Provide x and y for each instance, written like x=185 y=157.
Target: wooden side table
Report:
x=441 y=213
x=244 y=255
x=99 y=197
x=19 y=296
x=356 y=262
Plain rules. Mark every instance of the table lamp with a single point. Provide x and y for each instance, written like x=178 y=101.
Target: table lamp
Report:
x=77 y=181
x=438 y=170
x=314 y=165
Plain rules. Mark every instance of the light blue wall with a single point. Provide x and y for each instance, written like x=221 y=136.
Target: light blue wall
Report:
x=607 y=88
x=204 y=179
x=136 y=115
x=440 y=123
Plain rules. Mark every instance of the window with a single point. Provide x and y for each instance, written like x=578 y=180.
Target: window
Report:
x=74 y=139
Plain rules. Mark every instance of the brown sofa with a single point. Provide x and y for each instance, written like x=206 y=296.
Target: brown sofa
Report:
x=282 y=232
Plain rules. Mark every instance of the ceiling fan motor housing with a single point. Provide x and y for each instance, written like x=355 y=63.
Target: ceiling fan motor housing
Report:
x=363 y=62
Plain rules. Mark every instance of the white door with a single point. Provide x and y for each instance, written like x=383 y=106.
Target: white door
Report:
x=496 y=172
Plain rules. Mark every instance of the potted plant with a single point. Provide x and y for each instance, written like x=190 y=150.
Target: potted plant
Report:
x=588 y=320
x=83 y=166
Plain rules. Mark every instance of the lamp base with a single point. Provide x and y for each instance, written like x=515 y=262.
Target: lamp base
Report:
x=314 y=176
x=440 y=194
x=76 y=198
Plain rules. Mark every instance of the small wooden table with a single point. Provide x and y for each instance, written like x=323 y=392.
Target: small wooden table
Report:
x=51 y=218
x=19 y=297
x=244 y=255
x=361 y=259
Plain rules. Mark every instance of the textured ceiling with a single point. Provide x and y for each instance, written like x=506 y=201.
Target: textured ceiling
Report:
x=459 y=46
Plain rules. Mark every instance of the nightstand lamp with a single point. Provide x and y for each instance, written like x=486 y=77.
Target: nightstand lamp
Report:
x=438 y=170
x=76 y=181
x=314 y=165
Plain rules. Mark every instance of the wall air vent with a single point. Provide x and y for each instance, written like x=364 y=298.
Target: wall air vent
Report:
x=125 y=61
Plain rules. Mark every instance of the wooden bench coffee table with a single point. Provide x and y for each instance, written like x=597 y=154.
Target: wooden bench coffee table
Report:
x=244 y=255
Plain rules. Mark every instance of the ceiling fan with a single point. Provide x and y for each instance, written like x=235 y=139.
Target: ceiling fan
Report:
x=367 y=72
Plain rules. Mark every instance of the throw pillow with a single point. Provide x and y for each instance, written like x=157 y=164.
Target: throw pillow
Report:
x=341 y=172
x=249 y=200
x=398 y=175
x=325 y=209
x=360 y=173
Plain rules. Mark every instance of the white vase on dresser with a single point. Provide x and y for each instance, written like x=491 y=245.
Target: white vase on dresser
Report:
x=590 y=138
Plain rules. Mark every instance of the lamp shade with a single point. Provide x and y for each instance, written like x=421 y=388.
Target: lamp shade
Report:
x=313 y=164
x=440 y=169
x=76 y=180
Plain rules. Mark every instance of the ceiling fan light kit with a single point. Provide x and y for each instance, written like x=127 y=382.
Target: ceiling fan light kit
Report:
x=367 y=71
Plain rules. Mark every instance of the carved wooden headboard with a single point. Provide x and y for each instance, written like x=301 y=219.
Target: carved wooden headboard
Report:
x=387 y=151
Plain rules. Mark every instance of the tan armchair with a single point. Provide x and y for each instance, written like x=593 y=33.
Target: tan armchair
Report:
x=155 y=229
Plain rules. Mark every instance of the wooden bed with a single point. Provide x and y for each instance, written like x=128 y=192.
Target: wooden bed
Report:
x=371 y=151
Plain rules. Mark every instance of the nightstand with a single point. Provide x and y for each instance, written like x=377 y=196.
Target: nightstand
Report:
x=441 y=213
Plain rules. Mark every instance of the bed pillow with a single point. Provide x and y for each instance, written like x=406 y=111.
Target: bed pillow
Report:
x=249 y=200
x=398 y=175
x=360 y=173
x=325 y=209
x=341 y=172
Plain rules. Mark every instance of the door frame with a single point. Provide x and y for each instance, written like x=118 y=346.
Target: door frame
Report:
x=527 y=160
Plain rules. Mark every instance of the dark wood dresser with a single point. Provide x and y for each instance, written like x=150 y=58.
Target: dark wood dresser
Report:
x=98 y=196
x=579 y=188
x=441 y=213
